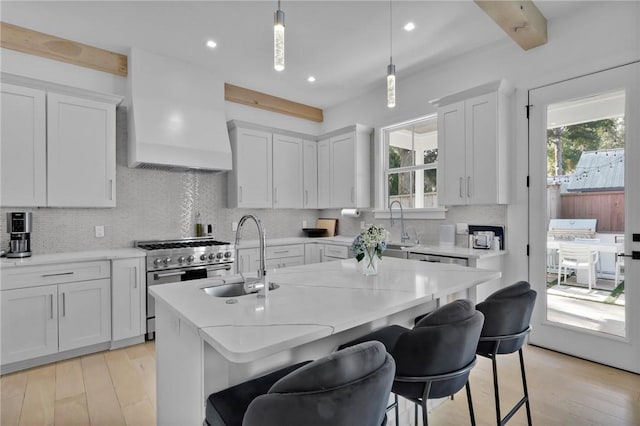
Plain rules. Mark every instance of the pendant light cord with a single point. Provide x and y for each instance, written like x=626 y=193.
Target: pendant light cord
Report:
x=390 y=32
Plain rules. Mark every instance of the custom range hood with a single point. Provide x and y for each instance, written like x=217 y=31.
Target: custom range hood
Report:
x=176 y=115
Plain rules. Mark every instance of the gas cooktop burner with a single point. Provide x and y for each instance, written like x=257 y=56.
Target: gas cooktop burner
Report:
x=173 y=244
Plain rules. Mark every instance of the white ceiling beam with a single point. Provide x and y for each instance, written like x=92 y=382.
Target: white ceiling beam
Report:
x=521 y=20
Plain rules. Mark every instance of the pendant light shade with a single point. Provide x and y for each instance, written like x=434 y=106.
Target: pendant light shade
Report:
x=391 y=69
x=278 y=39
x=391 y=85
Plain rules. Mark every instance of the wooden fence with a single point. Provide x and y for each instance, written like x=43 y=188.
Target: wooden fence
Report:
x=607 y=207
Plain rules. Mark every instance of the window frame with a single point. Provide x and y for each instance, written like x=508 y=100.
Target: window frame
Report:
x=382 y=172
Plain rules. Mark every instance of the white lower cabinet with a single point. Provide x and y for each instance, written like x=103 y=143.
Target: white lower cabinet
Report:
x=128 y=295
x=278 y=257
x=54 y=308
x=84 y=314
x=316 y=253
x=29 y=322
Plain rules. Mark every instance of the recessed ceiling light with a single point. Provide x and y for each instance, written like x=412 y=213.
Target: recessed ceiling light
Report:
x=311 y=79
x=410 y=26
x=211 y=44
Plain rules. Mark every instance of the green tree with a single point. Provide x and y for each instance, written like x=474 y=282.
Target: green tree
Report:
x=565 y=144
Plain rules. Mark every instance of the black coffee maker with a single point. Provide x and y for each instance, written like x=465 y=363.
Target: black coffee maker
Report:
x=19 y=227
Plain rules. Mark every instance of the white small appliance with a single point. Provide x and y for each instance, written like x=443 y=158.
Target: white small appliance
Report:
x=483 y=239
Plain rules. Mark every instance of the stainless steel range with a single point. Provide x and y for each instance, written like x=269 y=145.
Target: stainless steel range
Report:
x=183 y=260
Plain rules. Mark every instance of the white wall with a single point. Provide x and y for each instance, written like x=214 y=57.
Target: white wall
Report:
x=600 y=36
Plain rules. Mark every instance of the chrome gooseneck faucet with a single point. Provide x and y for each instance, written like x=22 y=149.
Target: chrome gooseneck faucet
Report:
x=262 y=272
x=403 y=234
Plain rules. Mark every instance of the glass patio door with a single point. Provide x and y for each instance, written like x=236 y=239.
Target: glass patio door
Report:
x=584 y=165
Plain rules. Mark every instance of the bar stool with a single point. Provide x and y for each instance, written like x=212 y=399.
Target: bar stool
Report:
x=347 y=388
x=507 y=314
x=434 y=359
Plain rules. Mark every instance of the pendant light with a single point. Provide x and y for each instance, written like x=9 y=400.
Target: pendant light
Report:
x=391 y=69
x=278 y=39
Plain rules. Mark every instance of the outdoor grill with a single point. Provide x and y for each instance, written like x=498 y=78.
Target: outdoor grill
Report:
x=570 y=229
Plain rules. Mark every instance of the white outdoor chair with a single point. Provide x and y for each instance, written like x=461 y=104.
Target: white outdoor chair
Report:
x=577 y=256
x=619 y=239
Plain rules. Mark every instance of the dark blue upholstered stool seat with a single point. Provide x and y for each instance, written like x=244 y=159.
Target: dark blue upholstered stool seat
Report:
x=349 y=387
x=434 y=359
x=507 y=316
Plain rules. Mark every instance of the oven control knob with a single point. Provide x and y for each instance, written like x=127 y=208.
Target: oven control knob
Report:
x=181 y=259
x=203 y=257
x=190 y=258
x=212 y=256
x=166 y=260
x=227 y=254
x=156 y=262
x=219 y=255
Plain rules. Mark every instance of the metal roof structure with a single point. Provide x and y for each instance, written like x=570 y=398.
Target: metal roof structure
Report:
x=597 y=171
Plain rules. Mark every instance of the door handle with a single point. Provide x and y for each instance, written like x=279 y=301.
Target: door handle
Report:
x=135 y=277
x=461 y=187
x=64 y=304
x=111 y=189
x=352 y=194
x=51 y=303
x=635 y=255
x=468 y=186
x=169 y=274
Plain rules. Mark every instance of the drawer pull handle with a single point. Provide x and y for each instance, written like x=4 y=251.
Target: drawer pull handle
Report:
x=281 y=252
x=169 y=274
x=58 y=274
x=135 y=277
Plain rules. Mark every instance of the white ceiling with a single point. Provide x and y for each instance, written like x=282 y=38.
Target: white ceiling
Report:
x=344 y=44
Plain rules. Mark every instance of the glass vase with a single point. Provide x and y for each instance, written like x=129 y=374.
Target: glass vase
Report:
x=370 y=262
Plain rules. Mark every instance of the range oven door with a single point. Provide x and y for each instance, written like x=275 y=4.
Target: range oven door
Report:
x=177 y=275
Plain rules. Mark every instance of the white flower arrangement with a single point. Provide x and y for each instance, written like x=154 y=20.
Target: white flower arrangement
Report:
x=373 y=241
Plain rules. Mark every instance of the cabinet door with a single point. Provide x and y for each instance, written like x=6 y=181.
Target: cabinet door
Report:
x=84 y=313
x=452 y=177
x=29 y=323
x=310 y=169
x=23 y=147
x=127 y=298
x=248 y=260
x=343 y=171
x=81 y=152
x=287 y=172
x=254 y=168
x=481 y=142
x=324 y=174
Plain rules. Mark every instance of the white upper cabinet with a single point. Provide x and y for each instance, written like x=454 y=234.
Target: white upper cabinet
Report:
x=346 y=167
x=23 y=147
x=250 y=182
x=58 y=145
x=287 y=172
x=81 y=152
x=310 y=170
x=473 y=145
x=324 y=174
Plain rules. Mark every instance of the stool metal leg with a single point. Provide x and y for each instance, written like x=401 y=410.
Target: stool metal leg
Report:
x=496 y=392
x=524 y=386
x=470 y=402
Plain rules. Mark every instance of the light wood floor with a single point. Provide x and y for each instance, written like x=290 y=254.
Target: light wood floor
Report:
x=108 y=388
x=118 y=388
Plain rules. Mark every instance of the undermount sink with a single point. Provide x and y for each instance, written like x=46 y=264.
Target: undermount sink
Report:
x=236 y=288
x=396 y=250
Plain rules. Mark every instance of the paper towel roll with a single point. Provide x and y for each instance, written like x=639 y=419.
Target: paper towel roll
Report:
x=350 y=213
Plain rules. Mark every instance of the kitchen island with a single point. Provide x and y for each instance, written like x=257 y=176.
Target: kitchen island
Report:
x=205 y=343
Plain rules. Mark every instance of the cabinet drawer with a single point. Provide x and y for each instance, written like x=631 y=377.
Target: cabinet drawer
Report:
x=341 y=252
x=32 y=276
x=278 y=252
x=284 y=262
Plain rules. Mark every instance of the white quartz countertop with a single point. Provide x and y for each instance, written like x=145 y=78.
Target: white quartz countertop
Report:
x=76 y=256
x=455 y=251
x=313 y=301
